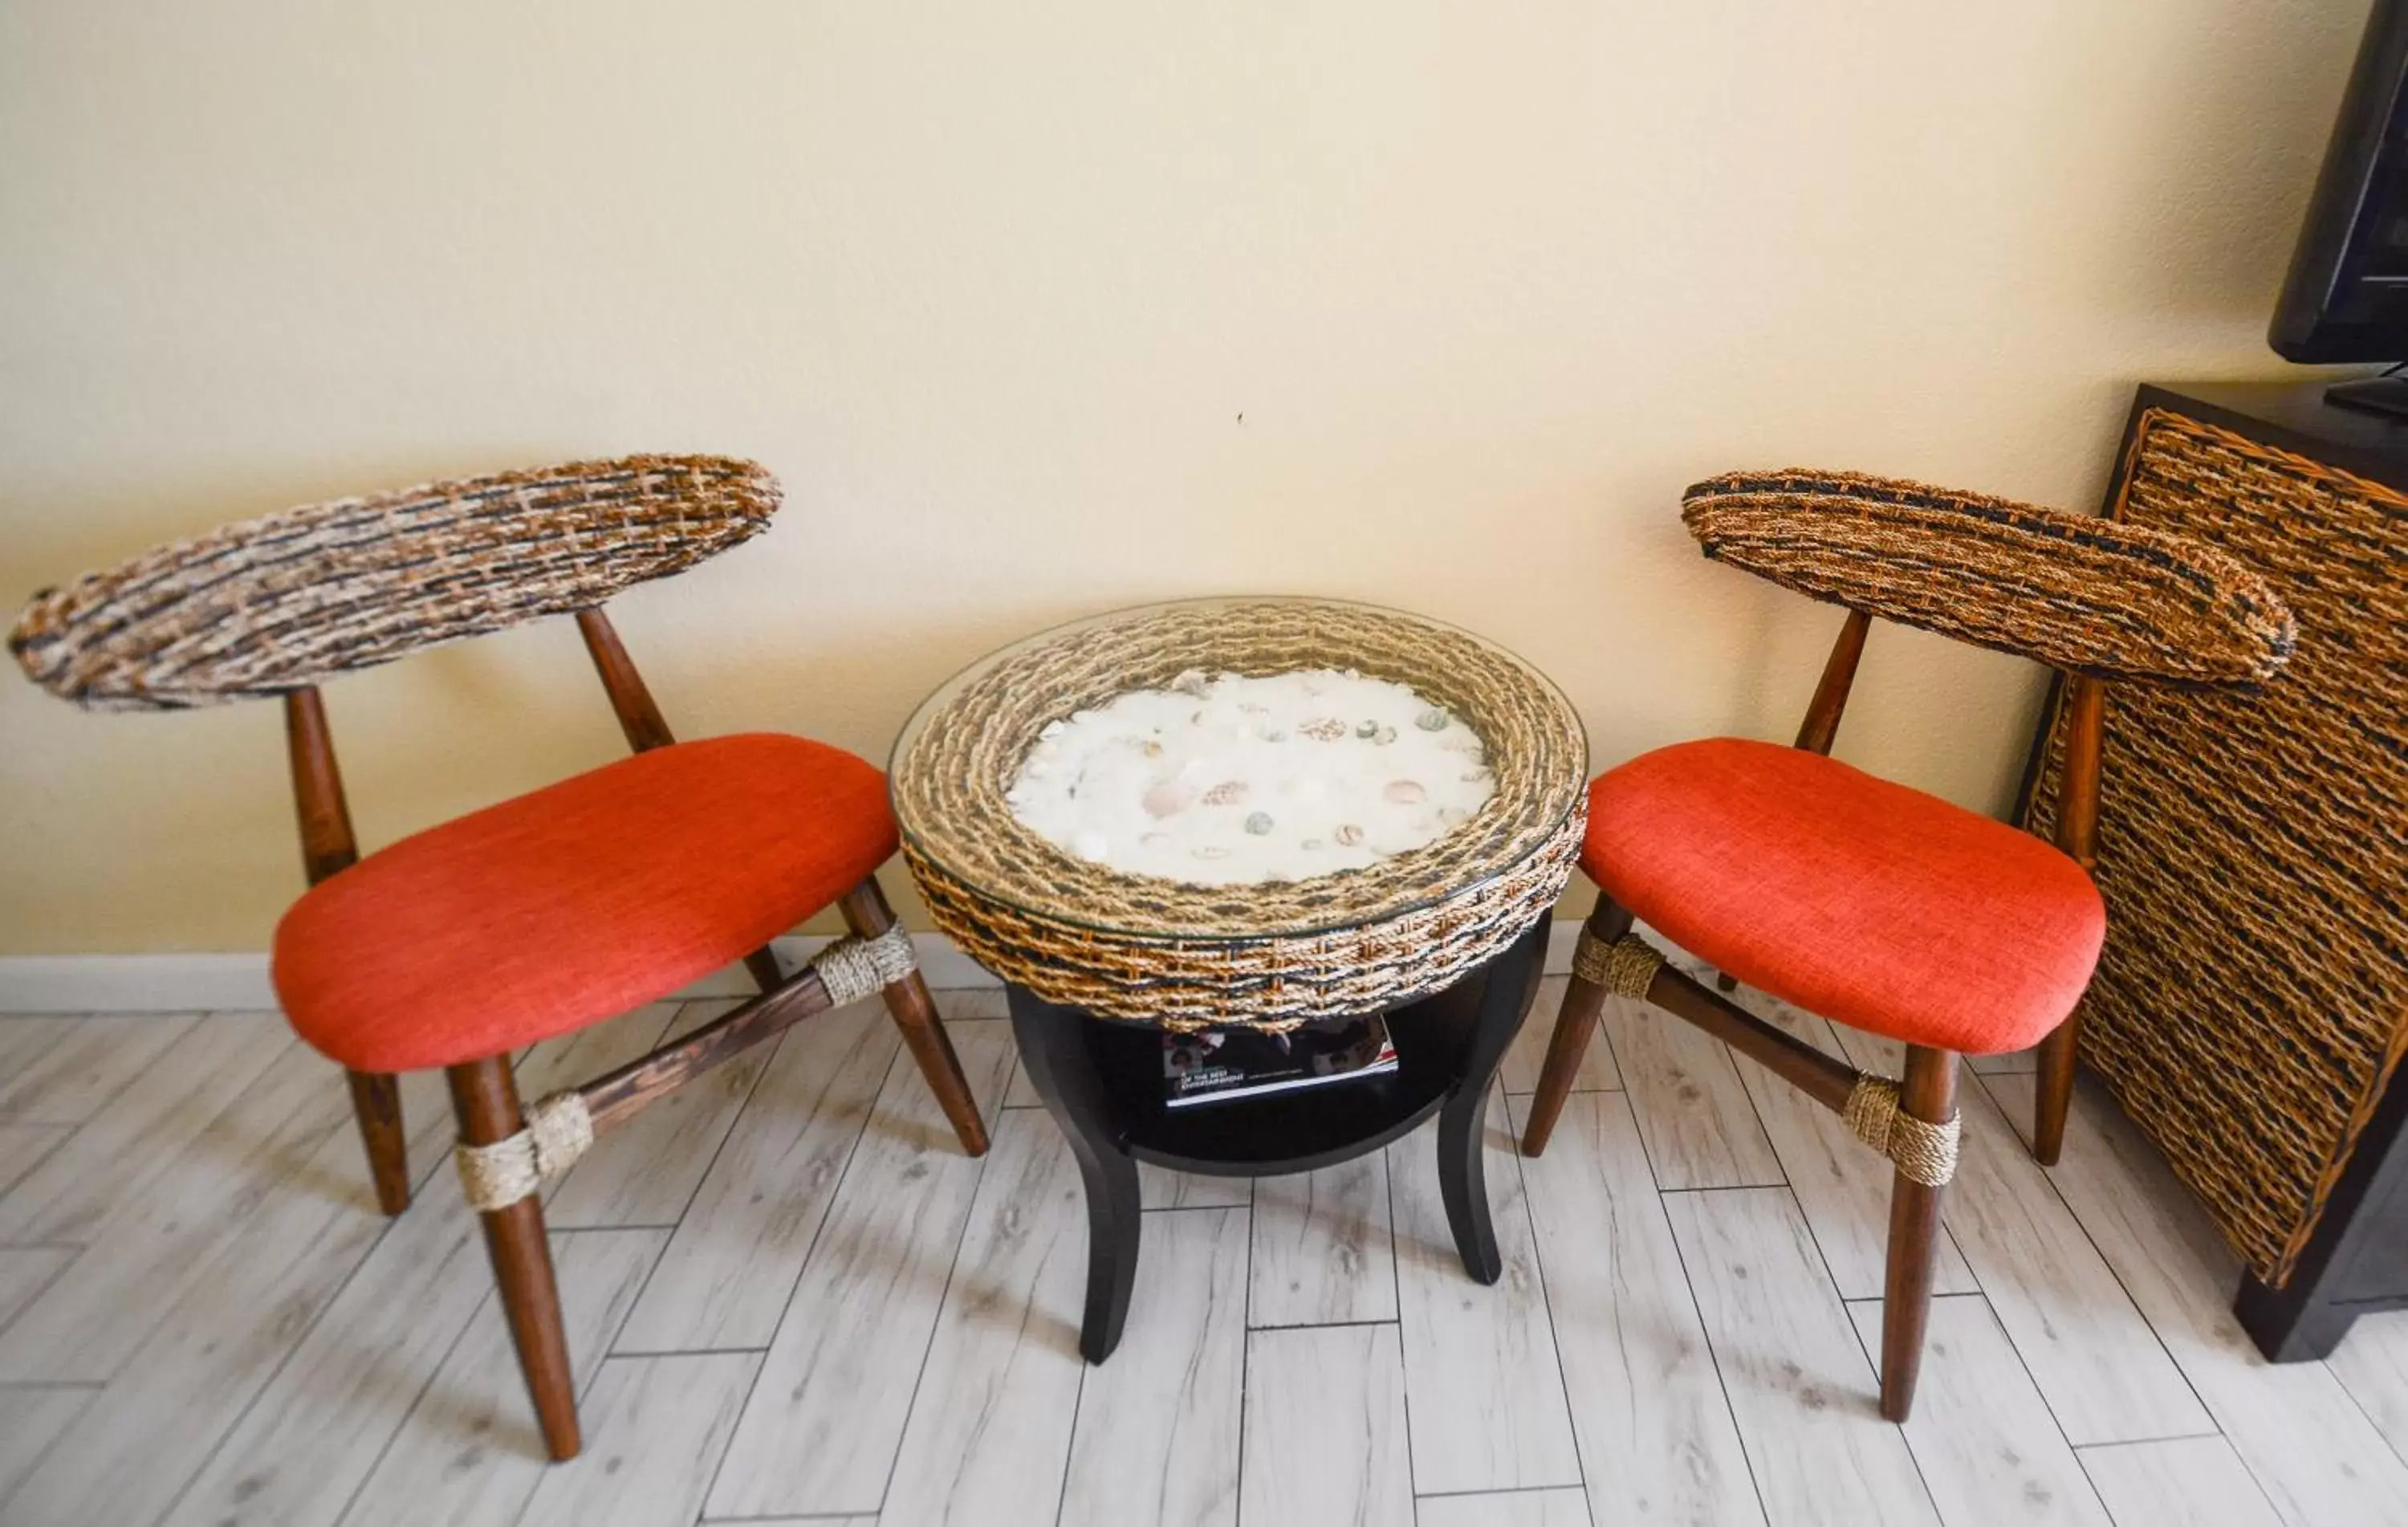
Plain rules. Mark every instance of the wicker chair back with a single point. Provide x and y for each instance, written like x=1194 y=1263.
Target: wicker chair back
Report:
x=2089 y=596
x=276 y=604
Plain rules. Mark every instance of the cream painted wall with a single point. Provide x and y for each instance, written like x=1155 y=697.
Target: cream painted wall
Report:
x=1043 y=308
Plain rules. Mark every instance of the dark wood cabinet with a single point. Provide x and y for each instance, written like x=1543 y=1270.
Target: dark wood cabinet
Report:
x=2250 y=1008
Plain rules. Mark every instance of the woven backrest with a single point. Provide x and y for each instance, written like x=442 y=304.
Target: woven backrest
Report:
x=281 y=602
x=2089 y=596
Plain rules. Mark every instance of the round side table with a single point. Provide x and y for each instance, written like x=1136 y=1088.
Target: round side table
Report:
x=1445 y=939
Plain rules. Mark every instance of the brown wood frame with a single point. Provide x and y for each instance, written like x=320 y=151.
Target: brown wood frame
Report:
x=1928 y=1092
x=484 y=1095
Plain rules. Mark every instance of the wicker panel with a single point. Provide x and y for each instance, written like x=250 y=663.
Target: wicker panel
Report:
x=280 y=602
x=2254 y=848
x=1269 y=956
x=2070 y=590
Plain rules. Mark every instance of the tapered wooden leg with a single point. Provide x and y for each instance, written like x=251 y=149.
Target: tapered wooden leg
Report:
x=1928 y=1092
x=1575 y=1022
x=767 y=973
x=376 y=1101
x=1724 y=981
x=1507 y=987
x=2053 y=1093
x=867 y=914
x=486 y=1101
x=1053 y=1048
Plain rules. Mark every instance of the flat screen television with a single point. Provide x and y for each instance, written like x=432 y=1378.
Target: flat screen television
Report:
x=2346 y=297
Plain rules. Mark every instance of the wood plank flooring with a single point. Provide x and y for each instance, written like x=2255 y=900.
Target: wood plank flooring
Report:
x=791 y=1299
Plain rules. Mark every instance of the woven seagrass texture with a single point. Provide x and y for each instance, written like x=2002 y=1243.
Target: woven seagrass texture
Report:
x=1269 y=956
x=280 y=602
x=2251 y=999
x=2086 y=595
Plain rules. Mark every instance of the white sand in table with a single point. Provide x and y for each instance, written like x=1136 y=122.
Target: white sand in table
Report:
x=1236 y=780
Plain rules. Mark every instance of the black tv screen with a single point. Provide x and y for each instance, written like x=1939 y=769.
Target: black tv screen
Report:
x=2346 y=296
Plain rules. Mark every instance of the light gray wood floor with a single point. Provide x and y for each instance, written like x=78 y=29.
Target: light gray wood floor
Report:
x=789 y=1298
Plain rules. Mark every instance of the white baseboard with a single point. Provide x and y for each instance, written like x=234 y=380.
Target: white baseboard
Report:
x=238 y=983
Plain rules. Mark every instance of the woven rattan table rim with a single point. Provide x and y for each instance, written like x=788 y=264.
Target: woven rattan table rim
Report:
x=1146 y=948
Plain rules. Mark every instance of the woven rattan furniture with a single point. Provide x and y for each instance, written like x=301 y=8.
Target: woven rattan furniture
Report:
x=459 y=945
x=1870 y=903
x=2251 y=1006
x=1445 y=939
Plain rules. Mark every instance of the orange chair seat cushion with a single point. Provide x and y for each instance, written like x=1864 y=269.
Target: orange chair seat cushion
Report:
x=1872 y=904
x=577 y=902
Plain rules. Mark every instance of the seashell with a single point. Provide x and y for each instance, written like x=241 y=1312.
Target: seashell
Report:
x=1192 y=683
x=1324 y=730
x=1247 y=706
x=1347 y=836
x=1226 y=793
x=1431 y=721
x=1368 y=729
x=1406 y=792
x=1051 y=730
x=1211 y=851
x=1168 y=799
x=1449 y=817
x=1274 y=735
x=1313 y=845
x=1151 y=749
x=1155 y=840
x=1384 y=736
x=1259 y=824
x=1462 y=742
x=1478 y=776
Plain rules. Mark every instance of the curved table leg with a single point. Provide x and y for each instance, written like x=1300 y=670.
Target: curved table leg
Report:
x=1061 y=1069
x=1511 y=981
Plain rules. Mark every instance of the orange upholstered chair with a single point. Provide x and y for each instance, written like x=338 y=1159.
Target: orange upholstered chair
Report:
x=460 y=945
x=1870 y=903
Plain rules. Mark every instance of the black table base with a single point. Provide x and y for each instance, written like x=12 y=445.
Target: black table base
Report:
x=1103 y=1084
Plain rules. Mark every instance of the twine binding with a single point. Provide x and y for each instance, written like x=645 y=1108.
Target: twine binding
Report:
x=1924 y=1152
x=852 y=969
x=558 y=1131
x=1626 y=967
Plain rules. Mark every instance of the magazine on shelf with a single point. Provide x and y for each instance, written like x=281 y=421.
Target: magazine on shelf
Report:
x=1219 y=1065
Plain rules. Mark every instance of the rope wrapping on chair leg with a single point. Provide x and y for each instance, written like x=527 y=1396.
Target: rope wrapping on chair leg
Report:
x=852 y=969
x=1923 y=1151
x=558 y=1131
x=1624 y=967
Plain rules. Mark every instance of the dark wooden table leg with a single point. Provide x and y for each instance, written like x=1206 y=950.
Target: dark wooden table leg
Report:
x=1511 y=981
x=1053 y=1048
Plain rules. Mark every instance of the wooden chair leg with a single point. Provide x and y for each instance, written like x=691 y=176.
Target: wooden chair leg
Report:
x=2053 y=1091
x=767 y=973
x=485 y=1098
x=914 y=1012
x=1928 y=1092
x=376 y=1101
x=1575 y=1022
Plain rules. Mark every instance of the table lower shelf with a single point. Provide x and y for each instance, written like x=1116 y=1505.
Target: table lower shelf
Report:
x=1103 y=1084
x=1301 y=1131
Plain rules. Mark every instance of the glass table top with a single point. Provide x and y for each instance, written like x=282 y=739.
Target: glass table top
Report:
x=963 y=747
